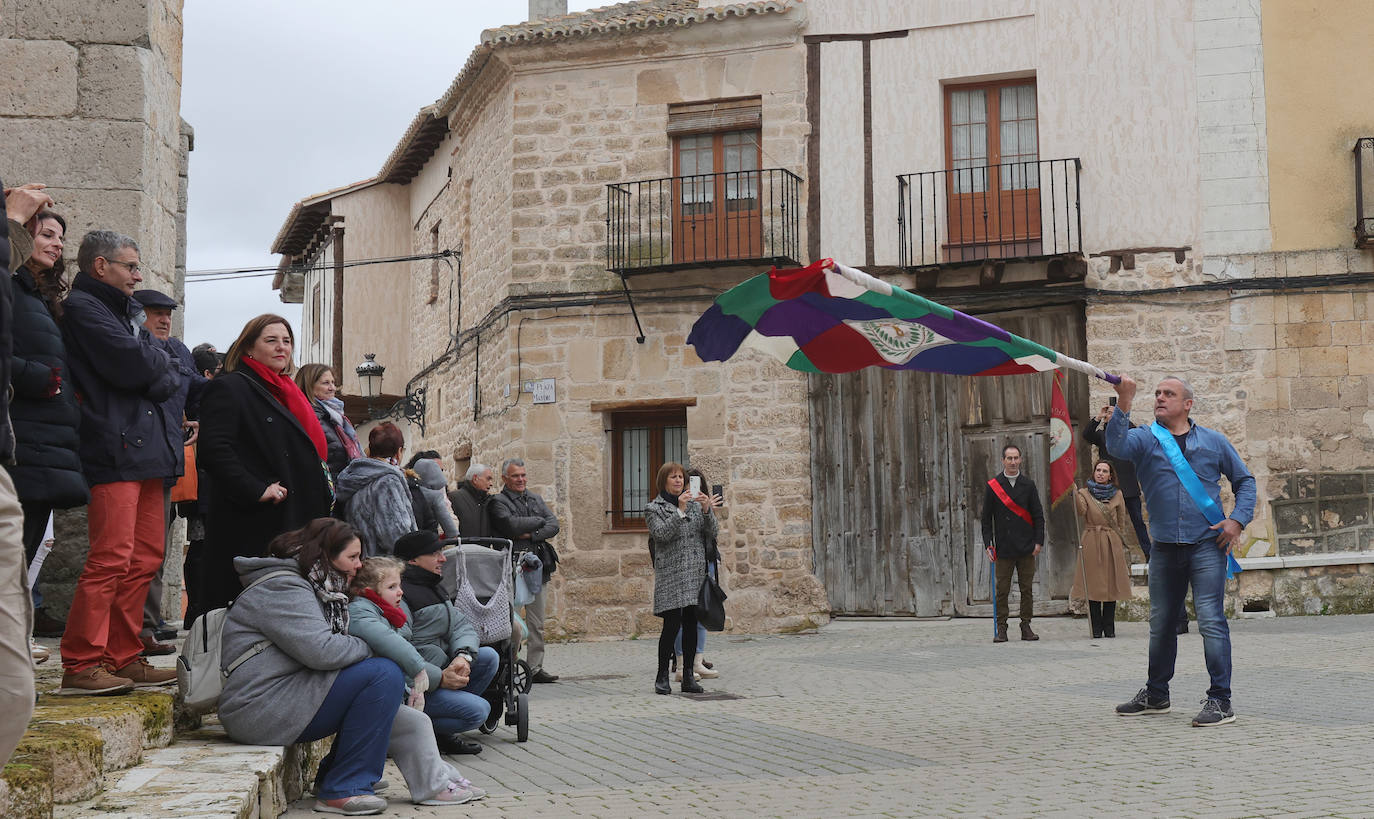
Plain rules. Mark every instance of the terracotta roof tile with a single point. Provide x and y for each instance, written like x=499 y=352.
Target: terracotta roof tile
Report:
x=624 y=16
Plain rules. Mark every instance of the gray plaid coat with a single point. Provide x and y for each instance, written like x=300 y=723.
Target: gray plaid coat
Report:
x=679 y=552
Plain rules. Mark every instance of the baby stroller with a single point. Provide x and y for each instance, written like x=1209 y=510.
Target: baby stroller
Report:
x=479 y=577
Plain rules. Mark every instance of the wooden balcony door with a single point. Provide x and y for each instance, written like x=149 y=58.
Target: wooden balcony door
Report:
x=992 y=184
x=716 y=190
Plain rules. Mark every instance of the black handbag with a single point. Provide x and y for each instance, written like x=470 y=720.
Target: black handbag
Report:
x=711 y=605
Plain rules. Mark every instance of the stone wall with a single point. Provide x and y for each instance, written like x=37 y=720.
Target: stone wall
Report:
x=536 y=139
x=91 y=108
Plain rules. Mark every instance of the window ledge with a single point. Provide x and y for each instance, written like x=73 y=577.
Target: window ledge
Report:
x=643 y=404
x=1290 y=562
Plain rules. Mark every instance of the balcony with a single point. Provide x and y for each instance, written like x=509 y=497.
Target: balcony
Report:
x=707 y=220
x=1364 y=221
x=1015 y=211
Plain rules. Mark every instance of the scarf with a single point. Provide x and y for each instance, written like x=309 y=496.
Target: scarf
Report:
x=669 y=497
x=290 y=396
x=331 y=588
x=348 y=436
x=421 y=587
x=393 y=614
x=1101 y=491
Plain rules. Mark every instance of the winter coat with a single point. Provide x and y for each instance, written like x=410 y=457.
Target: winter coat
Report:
x=516 y=513
x=121 y=374
x=377 y=503
x=432 y=486
x=16 y=245
x=248 y=440
x=438 y=630
x=1012 y=535
x=365 y=620
x=1102 y=556
x=185 y=403
x=47 y=469
x=338 y=455
x=1125 y=470
x=680 y=544
x=272 y=697
x=472 y=507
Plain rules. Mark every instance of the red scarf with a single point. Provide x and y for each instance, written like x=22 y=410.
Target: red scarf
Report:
x=290 y=396
x=393 y=614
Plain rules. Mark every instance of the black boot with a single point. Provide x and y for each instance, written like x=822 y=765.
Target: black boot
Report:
x=661 y=685
x=689 y=681
x=1095 y=617
x=1109 y=619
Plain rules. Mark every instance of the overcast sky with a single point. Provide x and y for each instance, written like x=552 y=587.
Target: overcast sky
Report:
x=293 y=98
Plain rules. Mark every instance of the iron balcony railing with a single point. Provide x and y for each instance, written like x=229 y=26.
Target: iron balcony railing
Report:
x=677 y=222
x=1364 y=220
x=1013 y=210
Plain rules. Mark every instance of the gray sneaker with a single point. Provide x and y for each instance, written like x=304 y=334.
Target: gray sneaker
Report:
x=1214 y=712
x=1141 y=704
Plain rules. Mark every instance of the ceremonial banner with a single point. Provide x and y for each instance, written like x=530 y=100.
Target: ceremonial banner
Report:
x=827 y=317
x=1063 y=459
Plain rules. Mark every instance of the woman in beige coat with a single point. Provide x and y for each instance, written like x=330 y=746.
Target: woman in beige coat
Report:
x=1102 y=553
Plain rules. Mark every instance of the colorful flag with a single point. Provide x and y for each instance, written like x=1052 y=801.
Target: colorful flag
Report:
x=1063 y=459
x=827 y=317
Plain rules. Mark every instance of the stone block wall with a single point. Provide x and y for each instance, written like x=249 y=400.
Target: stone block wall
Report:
x=91 y=107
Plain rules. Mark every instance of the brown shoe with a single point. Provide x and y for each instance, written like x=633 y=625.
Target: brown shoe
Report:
x=142 y=674
x=1001 y=635
x=94 y=680
x=152 y=648
x=1027 y=634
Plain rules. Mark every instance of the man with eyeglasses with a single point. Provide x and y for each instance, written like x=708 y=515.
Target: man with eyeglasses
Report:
x=121 y=374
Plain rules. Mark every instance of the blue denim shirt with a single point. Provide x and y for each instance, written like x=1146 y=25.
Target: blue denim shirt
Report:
x=1174 y=518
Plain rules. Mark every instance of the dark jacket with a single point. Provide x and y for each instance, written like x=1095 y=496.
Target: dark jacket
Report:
x=15 y=246
x=185 y=403
x=1125 y=470
x=121 y=374
x=438 y=628
x=516 y=513
x=473 y=508
x=247 y=441
x=47 y=469
x=337 y=457
x=1011 y=535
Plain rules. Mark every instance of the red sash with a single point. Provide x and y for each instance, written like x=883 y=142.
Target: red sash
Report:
x=1012 y=506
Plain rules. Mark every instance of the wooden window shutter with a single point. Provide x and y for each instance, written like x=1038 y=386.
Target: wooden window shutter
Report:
x=722 y=115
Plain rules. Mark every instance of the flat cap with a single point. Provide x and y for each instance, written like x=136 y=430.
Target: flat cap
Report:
x=155 y=298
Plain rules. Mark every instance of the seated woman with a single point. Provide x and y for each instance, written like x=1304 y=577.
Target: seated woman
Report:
x=373 y=492
x=446 y=640
x=312 y=679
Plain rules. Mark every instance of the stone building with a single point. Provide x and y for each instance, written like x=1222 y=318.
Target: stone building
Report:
x=1149 y=206
x=91 y=108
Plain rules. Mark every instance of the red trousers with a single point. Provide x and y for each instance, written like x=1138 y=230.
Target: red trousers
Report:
x=127 y=542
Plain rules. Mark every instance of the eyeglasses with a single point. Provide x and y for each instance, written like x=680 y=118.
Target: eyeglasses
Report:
x=132 y=266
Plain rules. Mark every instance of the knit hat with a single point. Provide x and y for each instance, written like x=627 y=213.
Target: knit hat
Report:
x=418 y=544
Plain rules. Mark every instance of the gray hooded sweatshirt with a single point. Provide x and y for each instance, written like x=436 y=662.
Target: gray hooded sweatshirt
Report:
x=434 y=487
x=272 y=697
x=377 y=504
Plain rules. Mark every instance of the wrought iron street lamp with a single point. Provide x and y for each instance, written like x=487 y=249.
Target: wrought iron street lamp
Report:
x=410 y=407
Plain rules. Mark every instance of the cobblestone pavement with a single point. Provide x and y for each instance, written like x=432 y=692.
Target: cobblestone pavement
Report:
x=931 y=719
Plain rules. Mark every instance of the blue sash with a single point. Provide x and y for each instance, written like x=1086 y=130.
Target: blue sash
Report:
x=1192 y=484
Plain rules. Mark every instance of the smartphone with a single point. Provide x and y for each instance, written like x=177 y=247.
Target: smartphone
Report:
x=694 y=483
x=1111 y=400
x=717 y=489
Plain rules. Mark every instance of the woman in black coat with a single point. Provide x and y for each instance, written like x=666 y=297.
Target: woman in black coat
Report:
x=263 y=450
x=47 y=468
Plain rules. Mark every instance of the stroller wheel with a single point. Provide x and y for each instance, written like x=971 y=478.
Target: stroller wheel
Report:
x=521 y=677
x=522 y=725
x=493 y=719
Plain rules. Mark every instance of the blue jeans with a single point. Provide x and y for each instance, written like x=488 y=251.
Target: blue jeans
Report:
x=701 y=630
x=454 y=712
x=359 y=708
x=1173 y=566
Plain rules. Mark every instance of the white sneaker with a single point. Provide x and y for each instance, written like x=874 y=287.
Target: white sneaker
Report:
x=454 y=794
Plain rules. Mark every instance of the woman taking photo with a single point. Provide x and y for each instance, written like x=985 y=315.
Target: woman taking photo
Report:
x=1101 y=573
x=263 y=450
x=47 y=469
x=312 y=679
x=341 y=440
x=681 y=524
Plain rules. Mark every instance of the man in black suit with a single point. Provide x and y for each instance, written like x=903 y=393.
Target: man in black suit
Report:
x=1014 y=532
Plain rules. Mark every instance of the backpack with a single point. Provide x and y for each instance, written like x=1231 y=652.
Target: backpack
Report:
x=425 y=519
x=199 y=676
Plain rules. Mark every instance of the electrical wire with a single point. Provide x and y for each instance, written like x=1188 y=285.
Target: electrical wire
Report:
x=226 y=274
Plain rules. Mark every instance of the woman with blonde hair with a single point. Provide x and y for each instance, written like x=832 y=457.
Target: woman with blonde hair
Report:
x=1101 y=574
x=319 y=384
x=681 y=525
x=263 y=449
